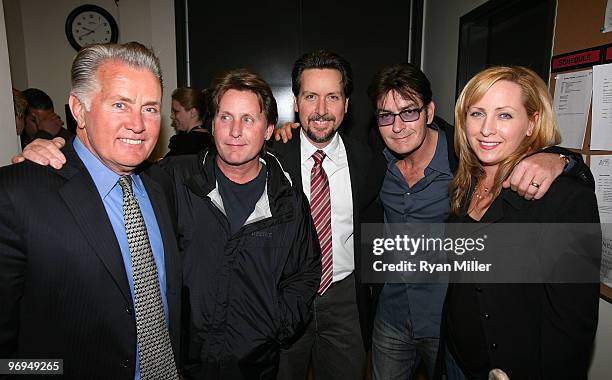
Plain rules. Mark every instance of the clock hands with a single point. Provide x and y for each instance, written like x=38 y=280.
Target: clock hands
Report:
x=90 y=31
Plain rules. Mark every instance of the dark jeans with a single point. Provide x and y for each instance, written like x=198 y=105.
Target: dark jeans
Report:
x=396 y=353
x=332 y=341
x=453 y=372
x=406 y=330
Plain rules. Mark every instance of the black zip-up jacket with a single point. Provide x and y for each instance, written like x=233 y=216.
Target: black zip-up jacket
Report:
x=246 y=294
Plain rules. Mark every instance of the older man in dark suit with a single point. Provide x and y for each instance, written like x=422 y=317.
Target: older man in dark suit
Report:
x=89 y=265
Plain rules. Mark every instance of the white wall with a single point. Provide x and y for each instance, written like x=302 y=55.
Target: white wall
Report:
x=151 y=22
x=163 y=41
x=9 y=144
x=48 y=55
x=45 y=55
x=440 y=50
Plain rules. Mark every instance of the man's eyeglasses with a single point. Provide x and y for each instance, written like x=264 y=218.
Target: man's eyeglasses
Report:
x=388 y=118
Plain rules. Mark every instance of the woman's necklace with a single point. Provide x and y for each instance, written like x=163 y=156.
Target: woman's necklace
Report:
x=481 y=192
x=480 y=201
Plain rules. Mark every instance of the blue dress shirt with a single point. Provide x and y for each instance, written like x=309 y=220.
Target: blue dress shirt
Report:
x=112 y=198
x=427 y=201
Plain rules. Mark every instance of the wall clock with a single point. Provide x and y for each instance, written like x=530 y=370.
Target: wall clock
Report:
x=90 y=24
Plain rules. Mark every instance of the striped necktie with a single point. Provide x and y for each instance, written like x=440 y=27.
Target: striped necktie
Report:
x=320 y=208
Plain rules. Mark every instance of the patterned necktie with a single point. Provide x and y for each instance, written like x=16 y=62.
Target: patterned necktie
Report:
x=320 y=208
x=154 y=349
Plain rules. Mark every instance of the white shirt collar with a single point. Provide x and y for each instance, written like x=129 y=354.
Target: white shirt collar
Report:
x=332 y=150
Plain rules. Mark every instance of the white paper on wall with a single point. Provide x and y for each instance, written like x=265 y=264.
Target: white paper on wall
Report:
x=601 y=167
x=571 y=104
x=607 y=25
x=601 y=133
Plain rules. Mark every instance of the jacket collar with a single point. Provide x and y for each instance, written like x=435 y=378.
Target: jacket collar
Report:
x=507 y=201
x=73 y=165
x=273 y=200
x=449 y=132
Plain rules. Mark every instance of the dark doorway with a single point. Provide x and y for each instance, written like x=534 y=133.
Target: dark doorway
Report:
x=268 y=36
x=506 y=32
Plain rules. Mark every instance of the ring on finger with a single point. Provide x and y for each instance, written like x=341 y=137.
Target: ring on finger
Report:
x=535 y=184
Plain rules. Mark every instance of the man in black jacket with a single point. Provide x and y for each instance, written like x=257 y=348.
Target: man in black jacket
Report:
x=251 y=257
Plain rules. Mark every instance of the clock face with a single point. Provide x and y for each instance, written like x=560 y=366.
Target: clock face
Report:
x=91 y=28
x=89 y=24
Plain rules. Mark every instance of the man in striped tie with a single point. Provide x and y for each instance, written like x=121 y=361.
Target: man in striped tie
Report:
x=338 y=175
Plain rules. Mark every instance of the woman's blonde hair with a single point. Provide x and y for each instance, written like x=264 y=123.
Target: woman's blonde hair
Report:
x=537 y=103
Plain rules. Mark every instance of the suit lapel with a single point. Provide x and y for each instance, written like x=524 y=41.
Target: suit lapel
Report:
x=507 y=204
x=354 y=163
x=356 y=172
x=164 y=222
x=503 y=207
x=171 y=255
x=495 y=212
x=80 y=195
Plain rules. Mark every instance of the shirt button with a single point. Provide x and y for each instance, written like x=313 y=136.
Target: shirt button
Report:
x=128 y=309
x=493 y=346
x=486 y=316
x=478 y=289
x=125 y=363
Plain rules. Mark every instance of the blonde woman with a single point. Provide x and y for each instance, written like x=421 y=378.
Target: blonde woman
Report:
x=532 y=330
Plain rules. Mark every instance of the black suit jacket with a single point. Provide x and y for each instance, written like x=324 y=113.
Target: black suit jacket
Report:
x=534 y=330
x=366 y=180
x=63 y=285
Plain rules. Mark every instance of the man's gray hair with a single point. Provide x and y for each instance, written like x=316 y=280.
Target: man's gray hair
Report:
x=84 y=73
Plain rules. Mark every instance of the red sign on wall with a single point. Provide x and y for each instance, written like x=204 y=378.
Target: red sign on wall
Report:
x=576 y=60
x=608 y=56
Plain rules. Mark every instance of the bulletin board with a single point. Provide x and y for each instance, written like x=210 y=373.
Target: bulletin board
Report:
x=579 y=28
